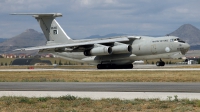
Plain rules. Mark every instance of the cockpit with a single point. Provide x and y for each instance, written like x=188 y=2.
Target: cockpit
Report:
x=177 y=40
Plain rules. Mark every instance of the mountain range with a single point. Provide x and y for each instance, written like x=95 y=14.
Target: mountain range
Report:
x=30 y=38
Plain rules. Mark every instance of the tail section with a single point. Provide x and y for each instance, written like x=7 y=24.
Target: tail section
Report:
x=51 y=28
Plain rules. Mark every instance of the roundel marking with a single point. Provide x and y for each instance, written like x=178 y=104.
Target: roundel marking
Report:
x=167 y=49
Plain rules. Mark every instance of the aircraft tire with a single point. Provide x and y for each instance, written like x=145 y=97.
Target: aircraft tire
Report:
x=99 y=66
x=160 y=63
x=113 y=66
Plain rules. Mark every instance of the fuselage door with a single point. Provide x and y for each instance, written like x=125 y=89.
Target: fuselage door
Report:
x=153 y=49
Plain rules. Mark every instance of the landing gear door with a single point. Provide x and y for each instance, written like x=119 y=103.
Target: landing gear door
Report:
x=153 y=49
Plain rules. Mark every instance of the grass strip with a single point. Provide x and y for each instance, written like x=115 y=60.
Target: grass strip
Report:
x=70 y=103
x=100 y=76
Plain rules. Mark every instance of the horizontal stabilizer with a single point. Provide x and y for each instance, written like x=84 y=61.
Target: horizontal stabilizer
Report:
x=40 y=14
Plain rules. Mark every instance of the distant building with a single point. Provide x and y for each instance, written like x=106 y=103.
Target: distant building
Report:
x=11 y=56
x=192 y=60
x=33 y=61
x=1 y=56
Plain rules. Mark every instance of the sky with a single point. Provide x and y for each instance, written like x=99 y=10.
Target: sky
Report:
x=83 y=18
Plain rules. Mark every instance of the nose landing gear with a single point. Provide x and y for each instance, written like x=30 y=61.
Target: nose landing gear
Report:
x=160 y=63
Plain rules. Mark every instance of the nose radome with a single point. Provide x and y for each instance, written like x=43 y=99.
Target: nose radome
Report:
x=187 y=46
x=185 y=49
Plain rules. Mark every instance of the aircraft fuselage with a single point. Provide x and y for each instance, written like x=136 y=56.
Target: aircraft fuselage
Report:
x=142 y=49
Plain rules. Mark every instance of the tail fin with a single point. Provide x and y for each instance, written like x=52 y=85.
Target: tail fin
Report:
x=50 y=27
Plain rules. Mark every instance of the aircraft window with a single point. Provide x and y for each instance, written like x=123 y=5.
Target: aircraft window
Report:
x=179 y=40
x=171 y=40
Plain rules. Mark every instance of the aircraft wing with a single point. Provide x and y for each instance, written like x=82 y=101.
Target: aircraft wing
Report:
x=90 y=42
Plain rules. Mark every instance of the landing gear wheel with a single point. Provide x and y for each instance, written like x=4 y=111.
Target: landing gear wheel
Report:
x=100 y=66
x=113 y=66
x=129 y=66
x=160 y=63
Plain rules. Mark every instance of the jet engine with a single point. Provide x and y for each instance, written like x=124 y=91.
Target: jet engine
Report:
x=122 y=48
x=103 y=50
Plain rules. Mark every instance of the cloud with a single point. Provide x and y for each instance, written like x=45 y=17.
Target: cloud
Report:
x=25 y=5
x=88 y=17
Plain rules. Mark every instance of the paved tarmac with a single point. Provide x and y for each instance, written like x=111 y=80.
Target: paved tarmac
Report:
x=124 y=91
x=101 y=86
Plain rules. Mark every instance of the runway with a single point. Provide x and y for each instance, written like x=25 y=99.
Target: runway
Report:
x=124 y=91
x=101 y=86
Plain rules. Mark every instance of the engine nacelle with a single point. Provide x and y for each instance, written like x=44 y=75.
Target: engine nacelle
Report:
x=97 y=51
x=120 y=49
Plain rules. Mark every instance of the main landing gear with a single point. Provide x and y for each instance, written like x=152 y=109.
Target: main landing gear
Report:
x=160 y=63
x=113 y=66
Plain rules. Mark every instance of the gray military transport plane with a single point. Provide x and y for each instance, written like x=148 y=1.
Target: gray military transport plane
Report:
x=107 y=53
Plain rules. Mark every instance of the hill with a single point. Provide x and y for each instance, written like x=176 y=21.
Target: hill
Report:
x=188 y=33
x=28 y=38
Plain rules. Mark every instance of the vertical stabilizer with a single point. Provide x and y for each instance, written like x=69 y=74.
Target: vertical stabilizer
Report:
x=51 y=28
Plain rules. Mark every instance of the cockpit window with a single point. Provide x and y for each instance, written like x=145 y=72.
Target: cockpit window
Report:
x=177 y=40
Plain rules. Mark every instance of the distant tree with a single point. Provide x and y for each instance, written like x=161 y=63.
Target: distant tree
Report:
x=65 y=63
x=170 y=62
x=1 y=63
x=198 y=61
x=167 y=62
x=69 y=63
x=11 y=63
x=5 y=64
x=60 y=63
x=55 y=62
x=152 y=63
x=147 y=62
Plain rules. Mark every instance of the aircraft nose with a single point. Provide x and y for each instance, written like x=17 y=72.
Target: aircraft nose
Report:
x=185 y=49
x=186 y=46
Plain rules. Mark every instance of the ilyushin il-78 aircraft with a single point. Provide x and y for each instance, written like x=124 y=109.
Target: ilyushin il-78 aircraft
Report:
x=107 y=53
